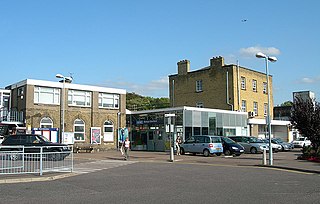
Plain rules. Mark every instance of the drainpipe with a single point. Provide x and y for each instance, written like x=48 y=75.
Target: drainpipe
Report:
x=228 y=102
x=238 y=81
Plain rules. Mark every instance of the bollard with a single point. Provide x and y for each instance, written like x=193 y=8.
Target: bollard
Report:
x=264 y=157
x=171 y=154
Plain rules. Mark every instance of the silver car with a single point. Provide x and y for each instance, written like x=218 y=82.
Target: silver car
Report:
x=251 y=144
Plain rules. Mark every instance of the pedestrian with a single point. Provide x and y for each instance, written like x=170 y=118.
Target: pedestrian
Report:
x=178 y=142
x=126 y=146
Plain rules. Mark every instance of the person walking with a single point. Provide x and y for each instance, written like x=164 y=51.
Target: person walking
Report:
x=178 y=142
x=126 y=146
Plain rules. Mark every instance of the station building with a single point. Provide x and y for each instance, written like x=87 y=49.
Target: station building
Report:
x=91 y=114
x=150 y=129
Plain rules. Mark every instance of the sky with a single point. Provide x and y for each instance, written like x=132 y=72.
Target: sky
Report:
x=136 y=44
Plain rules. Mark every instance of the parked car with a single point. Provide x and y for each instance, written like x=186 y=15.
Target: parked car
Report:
x=230 y=147
x=285 y=146
x=301 y=142
x=204 y=144
x=251 y=144
x=275 y=146
x=32 y=144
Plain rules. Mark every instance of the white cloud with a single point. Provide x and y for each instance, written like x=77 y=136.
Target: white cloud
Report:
x=309 y=80
x=155 y=88
x=252 y=51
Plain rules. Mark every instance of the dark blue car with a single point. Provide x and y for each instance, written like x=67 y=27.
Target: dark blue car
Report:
x=230 y=147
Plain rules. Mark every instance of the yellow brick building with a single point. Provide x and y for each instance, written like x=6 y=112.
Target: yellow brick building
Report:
x=220 y=86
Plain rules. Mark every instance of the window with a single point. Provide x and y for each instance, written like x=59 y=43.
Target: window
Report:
x=46 y=123
x=254 y=85
x=79 y=98
x=198 y=85
x=108 y=100
x=46 y=95
x=79 y=130
x=244 y=106
x=199 y=105
x=243 y=83
x=20 y=91
x=265 y=111
x=265 y=88
x=255 y=108
x=108 y=132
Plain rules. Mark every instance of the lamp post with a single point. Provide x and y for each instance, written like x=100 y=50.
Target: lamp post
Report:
x=268 y=120
x=62 y=101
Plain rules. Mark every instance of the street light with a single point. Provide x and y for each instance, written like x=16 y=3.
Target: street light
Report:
x=64 y=79
x=268 y=120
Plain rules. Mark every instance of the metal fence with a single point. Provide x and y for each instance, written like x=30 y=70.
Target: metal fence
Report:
x=35 y=160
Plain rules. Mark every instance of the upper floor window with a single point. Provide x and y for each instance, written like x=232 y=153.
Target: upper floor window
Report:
x=79 y=98
x=244 y=106
x=265 y=111
x=265 y=88
x=243 y=83
x=46 y=95
x=79 y=130
x=199 y=105
x=254 y=85
x=108 y=100
x=46 y=123
x=255 y=108
x=198 y=85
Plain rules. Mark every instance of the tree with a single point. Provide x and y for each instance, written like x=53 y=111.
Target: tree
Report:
x=136 y=102
x=287 y=103
x=306 y=118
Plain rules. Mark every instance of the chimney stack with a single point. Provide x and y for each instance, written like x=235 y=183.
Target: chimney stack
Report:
x=183 y=67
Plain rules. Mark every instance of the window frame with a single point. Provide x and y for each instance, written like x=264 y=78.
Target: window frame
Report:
x=243 y=105
x=79 y=132
x=254 y=85
x=74 y=94
x=107 y=96
x=40 y=93
x=255 y=108
x=265 y=88
x=265 y=111
x=46 y=124
x=199 y=87
x=243 y=83
x=199 y=105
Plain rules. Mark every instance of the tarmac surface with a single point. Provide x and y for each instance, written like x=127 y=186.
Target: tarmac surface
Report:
x=90 y=162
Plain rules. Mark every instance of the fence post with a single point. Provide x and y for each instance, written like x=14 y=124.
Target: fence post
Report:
x=40 y=168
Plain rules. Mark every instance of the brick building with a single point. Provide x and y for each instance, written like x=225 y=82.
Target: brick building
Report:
x=227 y=87
x=84 y=107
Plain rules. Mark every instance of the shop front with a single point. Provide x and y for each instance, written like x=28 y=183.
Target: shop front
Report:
x=148 y=129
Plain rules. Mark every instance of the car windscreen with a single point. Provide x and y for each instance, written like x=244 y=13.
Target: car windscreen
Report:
x=254 y=140
x=215 y=139
x=43 y=138
x=228 y=140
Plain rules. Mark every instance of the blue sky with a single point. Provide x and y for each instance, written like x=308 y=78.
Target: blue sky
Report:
x=136 y=44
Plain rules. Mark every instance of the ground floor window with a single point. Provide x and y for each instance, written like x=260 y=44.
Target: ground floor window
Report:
x=79 y=130
x=46 y=122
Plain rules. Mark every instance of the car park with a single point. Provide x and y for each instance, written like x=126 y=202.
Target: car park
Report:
x=230 y=147
x=203 y=144
x=251 y=144
x=285 y=146
x=32 y=143
x=301 y=142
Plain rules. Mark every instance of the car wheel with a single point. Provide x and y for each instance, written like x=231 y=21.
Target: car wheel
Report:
x=253 y=150
x=206 y=153
x=218 y=154
x=227 y=152
x=182 y=151
x=237 y=155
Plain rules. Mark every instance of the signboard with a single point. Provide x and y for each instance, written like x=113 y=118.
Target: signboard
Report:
x=169 y=115
x=68 y=138
x=95 y=135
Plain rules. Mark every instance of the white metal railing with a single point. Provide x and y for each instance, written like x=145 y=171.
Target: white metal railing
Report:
x=38 y=160
x=11 y=115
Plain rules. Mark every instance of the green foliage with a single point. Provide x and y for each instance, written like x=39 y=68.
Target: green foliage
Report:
x=306 y=118
x=137 y=102
x=287 y=103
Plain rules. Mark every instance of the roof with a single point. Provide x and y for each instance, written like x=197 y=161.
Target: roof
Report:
x=67 y=85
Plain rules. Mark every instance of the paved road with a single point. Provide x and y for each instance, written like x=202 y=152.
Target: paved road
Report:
x=164 y=182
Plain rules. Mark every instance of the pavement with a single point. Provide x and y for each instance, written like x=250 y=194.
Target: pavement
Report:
x=90 y=162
